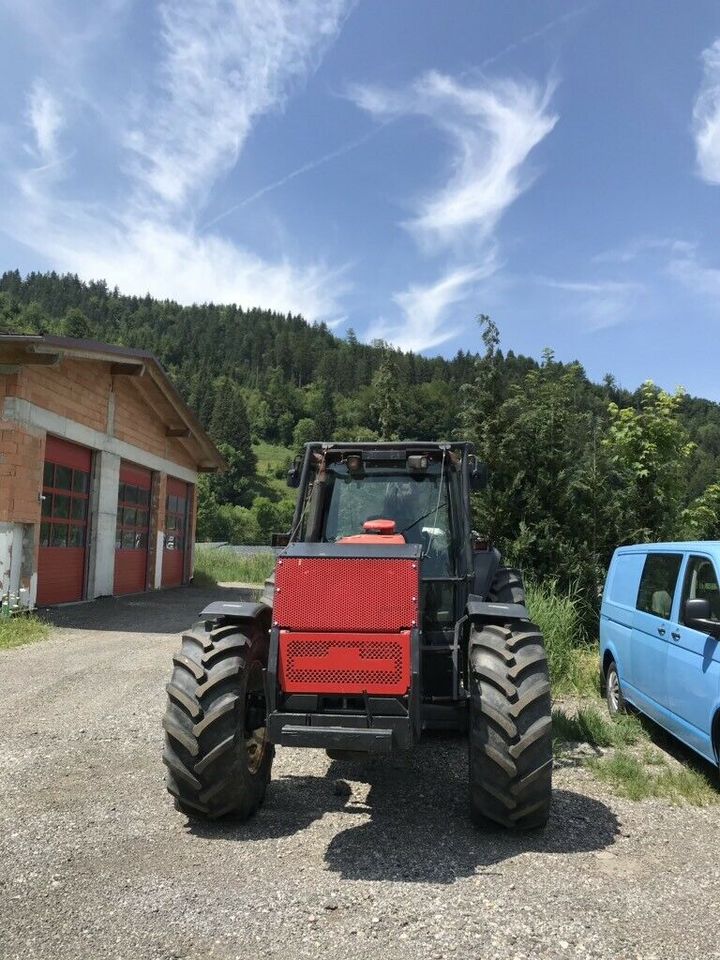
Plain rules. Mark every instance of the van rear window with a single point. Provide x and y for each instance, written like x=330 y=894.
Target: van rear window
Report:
x=658 y=582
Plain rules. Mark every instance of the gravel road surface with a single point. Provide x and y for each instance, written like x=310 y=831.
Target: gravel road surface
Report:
x=372 y=859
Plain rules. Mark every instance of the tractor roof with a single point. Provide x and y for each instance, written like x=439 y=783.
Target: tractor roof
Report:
x=430 y=445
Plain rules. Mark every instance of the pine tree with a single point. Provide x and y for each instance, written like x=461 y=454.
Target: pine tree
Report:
x=326 y=419
x=229 y=424
x=388 y=404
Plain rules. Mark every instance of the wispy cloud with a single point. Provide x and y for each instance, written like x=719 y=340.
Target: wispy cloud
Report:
x=596 y=305
x=425 y=309
x=706 y=117
x=171 y=262
x=226 y=63
x=694 y=274
x=634 y=249
x=45 y=117
x=222 y=64
x=492 y=128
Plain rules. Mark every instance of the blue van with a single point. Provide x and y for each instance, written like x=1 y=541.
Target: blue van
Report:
x=660 y=638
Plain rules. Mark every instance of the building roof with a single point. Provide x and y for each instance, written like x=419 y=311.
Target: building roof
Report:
x=181 y=422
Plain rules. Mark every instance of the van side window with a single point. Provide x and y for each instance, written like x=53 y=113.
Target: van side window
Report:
x=657 y=584
x=701 y=583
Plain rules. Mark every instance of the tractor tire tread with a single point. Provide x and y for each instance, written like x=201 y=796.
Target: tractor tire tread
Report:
x=179 y=696
x=184 y=661
x=507 y=587
x=208 y=771
x=510 y=743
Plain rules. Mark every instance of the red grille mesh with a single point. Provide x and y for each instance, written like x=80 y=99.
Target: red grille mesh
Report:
x=377 y=663
x=346 y=593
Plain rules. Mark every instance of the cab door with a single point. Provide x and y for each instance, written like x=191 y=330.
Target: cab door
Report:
x=651 y=630
x=694 y=661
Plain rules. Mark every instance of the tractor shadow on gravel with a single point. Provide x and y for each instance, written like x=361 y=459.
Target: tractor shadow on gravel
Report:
x=414 y=824
x=420 y=831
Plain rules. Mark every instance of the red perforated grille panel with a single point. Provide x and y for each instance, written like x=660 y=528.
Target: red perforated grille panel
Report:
x=346 y=593
x=376 y=663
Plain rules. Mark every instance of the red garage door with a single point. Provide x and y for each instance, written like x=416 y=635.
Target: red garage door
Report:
x=176 y=520
x=63 y=529
x=133 y=529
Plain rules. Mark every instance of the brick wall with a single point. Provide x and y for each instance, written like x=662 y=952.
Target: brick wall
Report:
x=21 y=464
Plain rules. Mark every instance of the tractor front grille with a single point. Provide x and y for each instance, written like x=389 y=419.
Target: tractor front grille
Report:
x=345 y=663
x=346 y=593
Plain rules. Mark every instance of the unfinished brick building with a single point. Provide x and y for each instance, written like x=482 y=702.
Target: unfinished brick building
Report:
x=99 y=459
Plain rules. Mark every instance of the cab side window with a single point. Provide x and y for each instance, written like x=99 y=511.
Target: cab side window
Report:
x=701 y=583
x=657 y=584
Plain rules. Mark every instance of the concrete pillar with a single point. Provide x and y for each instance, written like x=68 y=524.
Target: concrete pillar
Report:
x=7 y=544
x=103 y=506
x=17 y=577
x=159 y=494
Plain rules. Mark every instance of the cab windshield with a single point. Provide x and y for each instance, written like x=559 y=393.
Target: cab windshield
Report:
x=417 y=504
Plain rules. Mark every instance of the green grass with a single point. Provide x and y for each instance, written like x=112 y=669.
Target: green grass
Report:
x=272 y=460
x=588 y=725
x=19 y=630
x=639 y=774
x=638 y=779
x=572 y=660
x=224 y=566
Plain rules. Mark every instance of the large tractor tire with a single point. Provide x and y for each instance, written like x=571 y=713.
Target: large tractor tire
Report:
x=216 y=748
x=507 y=587
x=510 y=726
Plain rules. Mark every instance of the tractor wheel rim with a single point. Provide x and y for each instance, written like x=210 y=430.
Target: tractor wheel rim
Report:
x=255 y=736
x=614 y=690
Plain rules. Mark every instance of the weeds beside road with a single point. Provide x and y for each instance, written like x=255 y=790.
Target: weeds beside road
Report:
x=20 y=629
x=219 y=565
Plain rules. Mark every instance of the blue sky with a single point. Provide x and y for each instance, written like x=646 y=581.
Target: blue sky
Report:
x=398 y=166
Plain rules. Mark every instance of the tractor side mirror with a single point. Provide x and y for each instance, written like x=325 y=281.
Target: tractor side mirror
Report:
x=697 y=615
x=279 y=539
x=294 y=473
x=479 y=475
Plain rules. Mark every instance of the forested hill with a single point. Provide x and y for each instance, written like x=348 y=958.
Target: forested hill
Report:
x=576 y=467
x=281 y=363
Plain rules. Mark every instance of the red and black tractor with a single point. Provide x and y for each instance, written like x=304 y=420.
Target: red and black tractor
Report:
x=386 y=616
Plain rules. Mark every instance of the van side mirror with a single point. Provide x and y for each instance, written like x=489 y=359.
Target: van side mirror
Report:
x=697 y=615
x=479 y=475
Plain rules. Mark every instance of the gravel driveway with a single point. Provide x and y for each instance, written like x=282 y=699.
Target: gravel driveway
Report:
x=95 y=862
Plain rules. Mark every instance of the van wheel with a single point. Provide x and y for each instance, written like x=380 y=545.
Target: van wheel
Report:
x=613 y=691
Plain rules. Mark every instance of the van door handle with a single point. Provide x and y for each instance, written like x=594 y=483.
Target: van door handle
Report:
x=675 y=635
x=661 y=631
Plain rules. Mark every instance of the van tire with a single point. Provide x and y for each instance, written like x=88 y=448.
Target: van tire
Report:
x=613 y=691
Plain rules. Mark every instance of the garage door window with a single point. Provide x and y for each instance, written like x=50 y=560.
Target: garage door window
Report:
x=64 y=506
x=175 y=510
x=132 y=519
